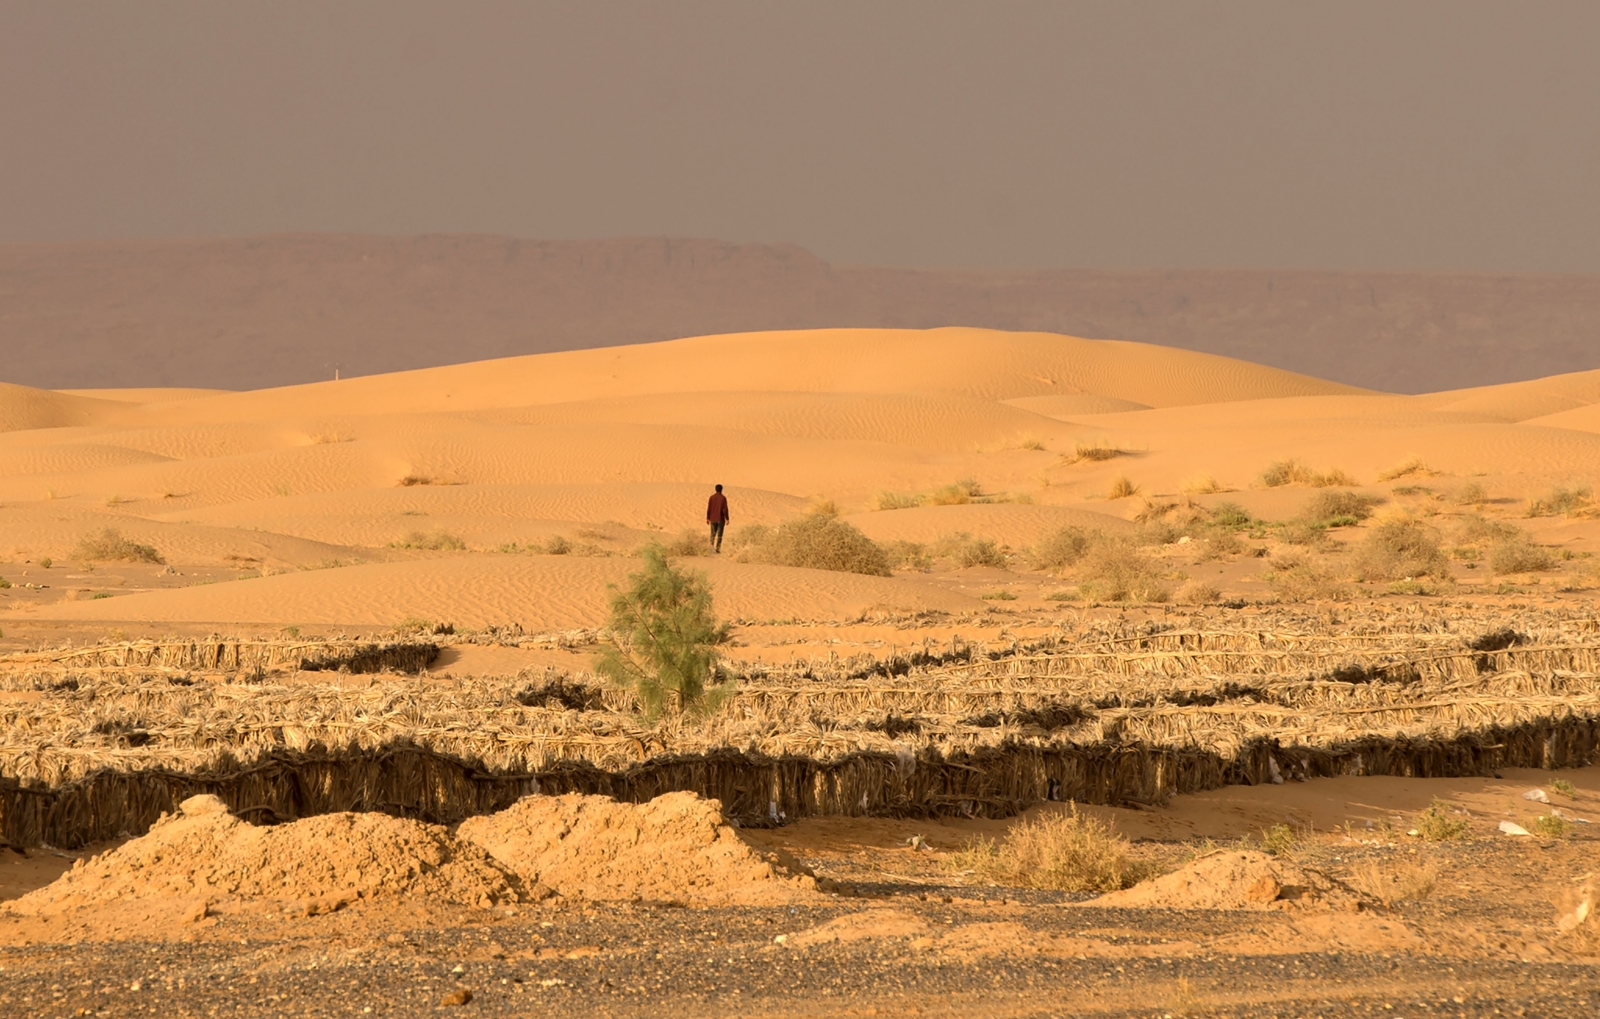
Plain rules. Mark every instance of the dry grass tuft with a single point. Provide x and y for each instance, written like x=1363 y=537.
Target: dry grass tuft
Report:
x=110 y=546
x=959 y=494
x=816 y=541
x=1412 y=468
x=1066 y=852
x=1564 y=502
x=1293 y=472
x=1470 y=494
x=1204 y=484
x=1399 y=550
x=1097 y=452
x=431 y=541
x=896 y=500
x=1396 y=882
x=1121 y=488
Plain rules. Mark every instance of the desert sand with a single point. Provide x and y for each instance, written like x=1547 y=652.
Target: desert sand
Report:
x=475 y=500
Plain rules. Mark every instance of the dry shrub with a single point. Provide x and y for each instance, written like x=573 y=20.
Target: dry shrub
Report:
x=1477 y=529
x=1195 y=592
x=1114 y=569
x=1293 y=579
x=895 y=500
x=818 y=542
x=557 y=545
x=1520 y=556
x=826 y=507
x=1204 y=484
x=1217 y=544
x=1094 y=453
x=1293 y=472
x=432 y=541
x=958 y=494
x=1414 y=467
x=1067 y=852
x=110 y=546
x=1037 y=445
x=1339 y=509
x=966 y=550
x=1471 y=494
x=1562 y=501
x=1400 y=549
x=1312 y=534
x=908 y=555
x=1062 y=549
x=1394 y=883
x=1121 y=488
x=1552 y=826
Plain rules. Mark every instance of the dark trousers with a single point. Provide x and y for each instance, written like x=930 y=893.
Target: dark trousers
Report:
x=717 y=527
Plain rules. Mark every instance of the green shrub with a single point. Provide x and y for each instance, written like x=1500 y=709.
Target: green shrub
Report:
x=109 y=545
x=1562 y=786
x=818 y=541
x=1520 y=557
x=1279 y=840
x=664 y=639
x=1066 y=852
x=1231 y=515
x=4 y=583
x=1551 y=826
x=1438 y=823
x=1398 y=549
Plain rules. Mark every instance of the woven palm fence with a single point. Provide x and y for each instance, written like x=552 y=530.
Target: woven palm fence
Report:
x=1101 y=716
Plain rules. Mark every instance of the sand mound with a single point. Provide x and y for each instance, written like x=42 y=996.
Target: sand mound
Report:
x=1239 y=880
x=677 y=848
x=321 y=863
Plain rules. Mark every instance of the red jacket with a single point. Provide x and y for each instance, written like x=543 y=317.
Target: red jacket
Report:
x=717 y=509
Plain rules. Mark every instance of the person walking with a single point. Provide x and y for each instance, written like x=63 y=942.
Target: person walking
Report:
x=717 y=517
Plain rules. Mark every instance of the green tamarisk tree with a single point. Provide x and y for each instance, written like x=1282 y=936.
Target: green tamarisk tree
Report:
x=664 y=639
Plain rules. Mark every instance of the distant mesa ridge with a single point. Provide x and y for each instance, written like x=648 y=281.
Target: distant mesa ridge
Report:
x=249 y=313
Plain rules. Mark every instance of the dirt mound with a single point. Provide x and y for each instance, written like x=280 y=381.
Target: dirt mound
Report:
x=1238 y=880
x=205 y=854
x=676 y=848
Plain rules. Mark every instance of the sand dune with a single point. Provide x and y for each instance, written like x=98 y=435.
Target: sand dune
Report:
x=612 y=448
x=536 y=592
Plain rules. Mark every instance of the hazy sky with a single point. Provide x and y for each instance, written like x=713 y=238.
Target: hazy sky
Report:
x=1452 y=134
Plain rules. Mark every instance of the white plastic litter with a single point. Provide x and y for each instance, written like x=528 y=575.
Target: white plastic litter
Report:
x=1536 y=795
x=1513 y=828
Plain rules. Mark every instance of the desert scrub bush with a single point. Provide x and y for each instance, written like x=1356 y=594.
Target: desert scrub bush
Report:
x=908 y=555
x=1062 y=549
x=818 y=541
x=1562 y=502
x=1470 y=494
x=896 y=500
x=1309 y=533
x=1121 y=488
x=431 y=541
x=1296 y=580
x=1520 y=556
x=1293 y=472
x=1001 y=595
x=1195 y=592
x=1394 y=883
x=1438 y=823
x=1338 y=509
x=1475 y=529
x=1562 y=786
x=1232 y=516
x=110 y=546
x=1114 y=569
x=688 y=542
x=663 y=639
x=1066 y=852
x=1279 y=840
x=1399 y=549
x=965 y=550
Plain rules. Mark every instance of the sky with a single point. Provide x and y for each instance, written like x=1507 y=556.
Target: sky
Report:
x=1191 y=134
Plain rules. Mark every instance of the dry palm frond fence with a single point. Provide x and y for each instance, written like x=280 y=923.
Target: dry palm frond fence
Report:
x=107 y=738
x=234 y=655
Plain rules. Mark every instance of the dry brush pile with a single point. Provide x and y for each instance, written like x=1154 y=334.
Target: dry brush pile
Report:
x=1104 y=712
